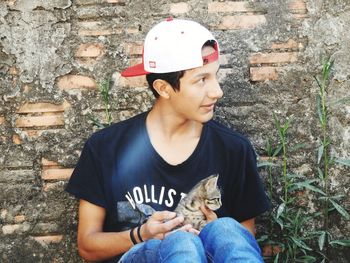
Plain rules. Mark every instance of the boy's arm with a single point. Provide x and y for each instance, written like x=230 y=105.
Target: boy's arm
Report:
x=250 y=225
x=93 y=243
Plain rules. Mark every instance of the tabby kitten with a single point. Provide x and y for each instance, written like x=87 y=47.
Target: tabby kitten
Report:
x=206 y=192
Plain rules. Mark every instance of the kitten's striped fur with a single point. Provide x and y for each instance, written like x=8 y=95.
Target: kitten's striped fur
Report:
x=207 y=193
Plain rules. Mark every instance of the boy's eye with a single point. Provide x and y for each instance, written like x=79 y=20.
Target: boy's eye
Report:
x=202 y=80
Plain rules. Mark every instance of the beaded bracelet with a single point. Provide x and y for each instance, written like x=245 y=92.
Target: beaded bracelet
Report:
x=138 y=233
x=132 y=237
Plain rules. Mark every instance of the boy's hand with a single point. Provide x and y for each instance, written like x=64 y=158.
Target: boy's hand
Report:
x=209 y=214
x=159 y=224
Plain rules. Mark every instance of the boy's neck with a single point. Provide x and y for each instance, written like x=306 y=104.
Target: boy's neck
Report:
x=173 y=138
x=171 y=126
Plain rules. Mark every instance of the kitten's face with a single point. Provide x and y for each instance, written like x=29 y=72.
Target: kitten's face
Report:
x=212 y=196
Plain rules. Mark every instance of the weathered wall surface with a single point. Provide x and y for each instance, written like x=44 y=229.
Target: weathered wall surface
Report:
x=53 y=54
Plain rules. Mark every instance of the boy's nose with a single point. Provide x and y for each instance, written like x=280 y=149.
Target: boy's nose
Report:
x=215 y=91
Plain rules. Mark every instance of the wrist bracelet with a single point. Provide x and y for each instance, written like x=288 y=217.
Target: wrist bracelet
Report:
x=132 y=237
x=138 y=233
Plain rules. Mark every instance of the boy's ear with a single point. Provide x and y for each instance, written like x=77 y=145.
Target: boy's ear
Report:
x=162 y=87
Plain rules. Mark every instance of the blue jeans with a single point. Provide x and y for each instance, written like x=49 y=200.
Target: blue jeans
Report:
x=222 y=240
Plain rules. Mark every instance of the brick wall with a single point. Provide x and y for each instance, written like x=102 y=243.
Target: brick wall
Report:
x=54 y=54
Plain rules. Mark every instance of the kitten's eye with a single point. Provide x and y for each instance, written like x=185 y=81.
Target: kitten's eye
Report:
x=213 y=200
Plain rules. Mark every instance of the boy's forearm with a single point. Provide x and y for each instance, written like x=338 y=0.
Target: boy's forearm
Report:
x=103 y=245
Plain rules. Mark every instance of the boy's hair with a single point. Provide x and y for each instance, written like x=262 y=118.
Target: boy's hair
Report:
x=173 y=78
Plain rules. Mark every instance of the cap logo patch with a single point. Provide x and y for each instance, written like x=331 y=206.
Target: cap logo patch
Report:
x=152 y=64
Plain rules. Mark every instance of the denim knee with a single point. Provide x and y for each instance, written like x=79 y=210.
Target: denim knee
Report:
x=225 y=225
x=152 y=244
x=183 y=237
x=182 y=246
x=226 y=234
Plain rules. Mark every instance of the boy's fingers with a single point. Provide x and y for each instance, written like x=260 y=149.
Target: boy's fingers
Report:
x=171 y=224
x=163 y=215
x=194 y=231
x=186 y=228
x=209 y=214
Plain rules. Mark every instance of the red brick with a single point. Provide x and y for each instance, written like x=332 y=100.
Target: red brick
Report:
x=133 y=48
x=10 y=229
x=19 y=218
x=96 y=28
x=297 y=6
x=3 y=139
x=51 y=186
x=92 y=2
x=132 y=30
x=46 y=162
x=36 y=133
x=263 y=73
x=223 y=7
x=42 y=107
x=51 y=170
x=86 y=32
x=16 y=139
x=90 y=50
x=46 y=240
x=300 y=16
x=241 y=22
x=57 y=174
x=76 y=82
x=3 y=213
x=26 y=88
x=290 y=44
x=15 y=228
x=13 y=71
x=10 y=3
x=277 y=57
x=40 y=121
x=179 y=8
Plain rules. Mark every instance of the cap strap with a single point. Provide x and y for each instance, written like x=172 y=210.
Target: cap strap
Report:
x=211 y=57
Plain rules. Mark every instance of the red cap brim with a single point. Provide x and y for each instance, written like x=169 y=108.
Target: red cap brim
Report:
x=137 y=70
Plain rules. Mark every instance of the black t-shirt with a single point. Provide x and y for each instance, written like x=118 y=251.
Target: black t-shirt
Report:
x=120 y=171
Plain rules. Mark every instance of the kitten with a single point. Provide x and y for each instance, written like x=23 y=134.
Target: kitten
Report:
x=207 y=193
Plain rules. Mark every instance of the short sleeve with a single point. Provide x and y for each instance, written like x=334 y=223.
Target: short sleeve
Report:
x=86 y=181
x=250 y=200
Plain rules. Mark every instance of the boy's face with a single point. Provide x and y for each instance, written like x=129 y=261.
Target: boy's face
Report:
x=199 y=91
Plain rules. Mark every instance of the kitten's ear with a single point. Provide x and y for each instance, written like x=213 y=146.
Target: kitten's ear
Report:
x=212 y=182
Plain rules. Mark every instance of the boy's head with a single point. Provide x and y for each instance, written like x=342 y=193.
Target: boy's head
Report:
x=172 y=47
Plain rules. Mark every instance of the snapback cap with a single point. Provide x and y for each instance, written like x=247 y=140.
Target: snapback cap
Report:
x=174 y=45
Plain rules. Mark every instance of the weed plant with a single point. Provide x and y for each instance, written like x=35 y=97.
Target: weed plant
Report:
x=104 y=89
x=289 y=235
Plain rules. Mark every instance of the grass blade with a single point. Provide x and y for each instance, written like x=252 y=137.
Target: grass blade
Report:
x=320 y=153
x=309 y=187
x=321 y=240
x=340 y=209
x=268 y=164
x=319 y=108
x=343 y=242
x=280 y=210
x=301 y=243
x=343 y=162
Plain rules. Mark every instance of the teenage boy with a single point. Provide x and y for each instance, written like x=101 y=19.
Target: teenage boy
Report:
x=152 y=160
